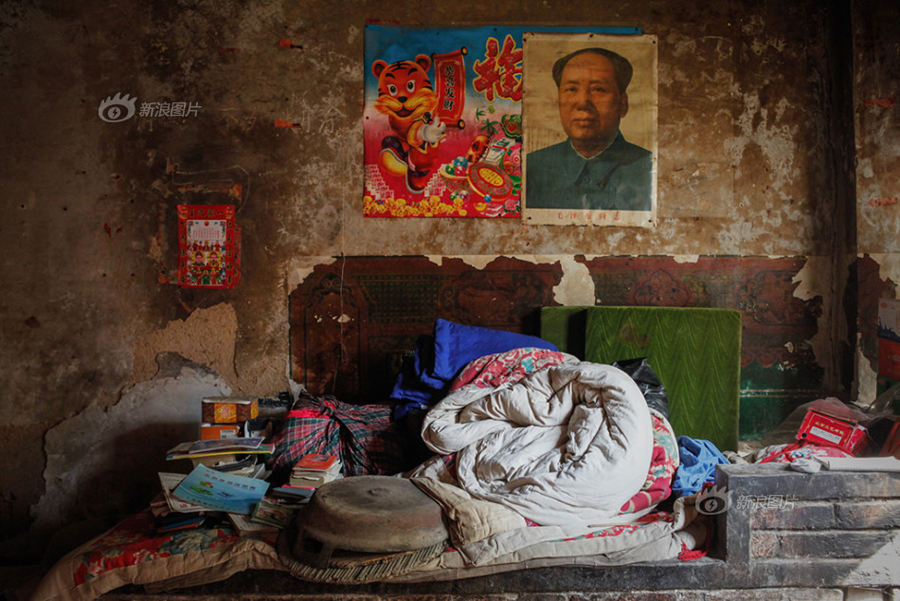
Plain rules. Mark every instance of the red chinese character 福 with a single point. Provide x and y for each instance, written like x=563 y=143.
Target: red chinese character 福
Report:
x=500 y=71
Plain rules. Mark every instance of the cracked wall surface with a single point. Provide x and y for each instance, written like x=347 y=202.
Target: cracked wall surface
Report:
x=89 y=312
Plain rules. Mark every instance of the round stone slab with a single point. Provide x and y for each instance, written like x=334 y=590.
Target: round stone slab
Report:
x=371 y=514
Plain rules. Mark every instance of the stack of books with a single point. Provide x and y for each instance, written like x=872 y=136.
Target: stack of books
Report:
x=313 y=471
x=308 y=474
x=275 y=512
x=236 y=455
x=171 y=513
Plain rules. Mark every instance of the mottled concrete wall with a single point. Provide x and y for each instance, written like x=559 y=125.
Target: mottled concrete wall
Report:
x=98 y=345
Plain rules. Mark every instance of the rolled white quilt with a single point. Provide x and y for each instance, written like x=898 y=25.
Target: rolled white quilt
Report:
x=567 y=444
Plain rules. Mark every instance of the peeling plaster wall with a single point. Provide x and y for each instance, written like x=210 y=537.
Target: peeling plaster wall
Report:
x=876 y=98
x=88 y=229
x=150 y=418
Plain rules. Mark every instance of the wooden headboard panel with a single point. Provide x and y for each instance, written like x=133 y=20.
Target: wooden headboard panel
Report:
x=352 y=320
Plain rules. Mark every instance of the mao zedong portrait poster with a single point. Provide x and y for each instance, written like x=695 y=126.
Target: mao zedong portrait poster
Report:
x=589 y=122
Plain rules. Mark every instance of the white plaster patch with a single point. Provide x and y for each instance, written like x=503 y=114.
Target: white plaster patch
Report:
x=478 y=261
x=686 y=258
x=888 y=265
x=865 y=169
x=776 y=143
x=866 y=378
x=111 y=452
x=576 y=288
x=298 y=269
x=880 y=230
x=809 y=279
x=731 y=238
x=613 y=241
x=814 y=280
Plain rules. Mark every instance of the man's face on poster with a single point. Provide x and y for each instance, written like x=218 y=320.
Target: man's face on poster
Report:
x=590 y=103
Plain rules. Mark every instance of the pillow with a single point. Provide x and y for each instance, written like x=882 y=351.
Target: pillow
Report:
x=455 y=345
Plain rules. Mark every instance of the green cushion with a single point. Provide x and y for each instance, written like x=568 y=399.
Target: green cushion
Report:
x=696 y=352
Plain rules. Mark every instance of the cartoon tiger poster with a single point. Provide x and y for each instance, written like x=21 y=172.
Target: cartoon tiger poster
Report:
x=443 y=122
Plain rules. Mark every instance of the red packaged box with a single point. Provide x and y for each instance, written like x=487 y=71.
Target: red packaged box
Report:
x=828 y=430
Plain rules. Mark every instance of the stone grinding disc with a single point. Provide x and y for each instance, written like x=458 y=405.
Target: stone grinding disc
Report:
x=371 y=514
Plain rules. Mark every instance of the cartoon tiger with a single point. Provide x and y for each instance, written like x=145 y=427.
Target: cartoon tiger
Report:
x=406 y=96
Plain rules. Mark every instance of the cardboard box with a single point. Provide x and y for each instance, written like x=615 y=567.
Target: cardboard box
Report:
x=828 y=430
x=889 y=319
x=229 y=410
x=889 y=359
x=219 y=431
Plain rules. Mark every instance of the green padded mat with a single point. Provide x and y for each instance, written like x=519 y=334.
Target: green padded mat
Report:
x=696 y=352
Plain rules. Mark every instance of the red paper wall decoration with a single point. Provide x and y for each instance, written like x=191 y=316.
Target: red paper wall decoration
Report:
x=209 y=247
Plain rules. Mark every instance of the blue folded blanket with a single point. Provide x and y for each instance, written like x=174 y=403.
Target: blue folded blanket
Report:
x=426 y=375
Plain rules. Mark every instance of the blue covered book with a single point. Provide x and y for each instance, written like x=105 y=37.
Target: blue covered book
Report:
x=221 y=491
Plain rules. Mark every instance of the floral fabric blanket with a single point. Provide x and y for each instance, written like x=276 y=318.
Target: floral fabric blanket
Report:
x=133 y=553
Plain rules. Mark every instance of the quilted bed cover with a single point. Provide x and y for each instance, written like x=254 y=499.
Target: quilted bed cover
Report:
x=696 y=352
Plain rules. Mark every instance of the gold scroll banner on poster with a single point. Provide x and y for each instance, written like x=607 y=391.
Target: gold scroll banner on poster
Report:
x=450 y=84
